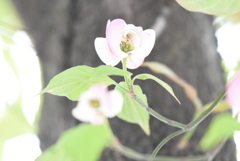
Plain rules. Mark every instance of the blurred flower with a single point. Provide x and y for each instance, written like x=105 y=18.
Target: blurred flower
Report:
x=233 y=95
x=228 y=37
x=96 y=103
x=124 y=41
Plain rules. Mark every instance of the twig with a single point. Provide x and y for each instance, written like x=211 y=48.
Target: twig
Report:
x=157 y=115
x=132 y=154
x=190 y=126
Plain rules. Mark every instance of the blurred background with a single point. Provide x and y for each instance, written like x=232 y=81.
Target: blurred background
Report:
x=20 y=79
x=39 y=39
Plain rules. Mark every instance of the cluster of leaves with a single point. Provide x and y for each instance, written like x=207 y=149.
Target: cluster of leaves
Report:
x=74 y=81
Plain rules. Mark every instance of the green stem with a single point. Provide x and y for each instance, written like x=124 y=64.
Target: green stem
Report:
x=138 y=156
x=126 y=78
x=157 y=115
x=205 y=113
x=111 y=134
x=185 y=139
x=212 y=154
x=189 y=126
x=164 y=141
x=187 y=136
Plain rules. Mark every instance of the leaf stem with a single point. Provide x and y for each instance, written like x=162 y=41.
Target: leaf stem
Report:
x=126 y=78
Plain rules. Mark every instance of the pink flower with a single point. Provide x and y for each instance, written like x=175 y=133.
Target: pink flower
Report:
x=233 y=95
x=124 y=41
x=96 y=103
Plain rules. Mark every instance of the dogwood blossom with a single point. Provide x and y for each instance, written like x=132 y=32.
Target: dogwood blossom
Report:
x=97 y=103
x=124 y=41
x=233 y=95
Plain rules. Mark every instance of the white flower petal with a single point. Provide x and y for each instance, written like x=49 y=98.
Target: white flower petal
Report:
x=235 y=111
x=98 y=119
x=147 y=44
x=114 y=35
x=108 y=23
x=228 y=38
x=128 y=28
x=233 y=94
x=134 y=62
x=84 y=114
x=104 y=53
x=115 y=105
x=84 y=111
x=110 y=104
x=96 y=92
x=135 y=34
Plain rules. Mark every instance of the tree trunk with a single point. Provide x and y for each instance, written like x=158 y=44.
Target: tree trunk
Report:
x=64 y=33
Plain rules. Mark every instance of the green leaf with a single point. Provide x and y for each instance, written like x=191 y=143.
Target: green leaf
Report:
x=54 y=154
x=162 y=83
x=13 y=121
x=80 y=143
x=72 y=82
x=222 y=127
x=213 y=7
x=132 y=112
x=105 y=70
x=8 y=16
x=85 y=142
x=13 y=124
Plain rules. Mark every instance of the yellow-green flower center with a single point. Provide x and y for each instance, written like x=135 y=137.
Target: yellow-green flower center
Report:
x=126 y=44
x=94 y=103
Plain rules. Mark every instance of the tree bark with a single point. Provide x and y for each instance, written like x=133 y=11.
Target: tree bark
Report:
x=64 y=33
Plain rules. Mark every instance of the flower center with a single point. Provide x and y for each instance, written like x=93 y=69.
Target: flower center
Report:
x=94 y=103
x=126 y=44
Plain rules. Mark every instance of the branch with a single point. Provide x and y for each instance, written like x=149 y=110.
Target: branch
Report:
x=157 y=115
x=173 y=123
x=190 y=126
x=132 y=154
